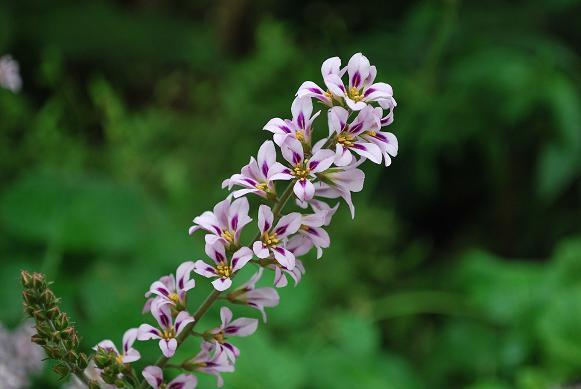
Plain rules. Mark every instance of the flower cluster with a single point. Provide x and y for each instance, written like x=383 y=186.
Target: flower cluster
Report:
x=316 y=168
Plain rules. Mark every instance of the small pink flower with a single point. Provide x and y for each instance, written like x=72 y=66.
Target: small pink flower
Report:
x=212 y=360
x=225 y=267
x=340 y=182
x=273 y=238
x=225 y=223
x=304 y=169
x=301 y=125
x=280 y=273
x=168 y=330
x=154 y=377
x=259 y=298
x=331 y=66
x=129 y=354
x=259 y=175
x=310 y=234
x=239 y=327
x=172 y=289
x=352 y=137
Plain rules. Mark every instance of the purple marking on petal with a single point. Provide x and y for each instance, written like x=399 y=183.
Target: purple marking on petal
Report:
x=210 y=269
x=301 y=120
x=285 y=129
x=234 y=223
x=265 y=168
x=279 y=250
x=234 y=261
x=296 y=158
x=266 y=226
x=369 y=91
x=231 y=329
x=218 y=230
x=313 y=165
x=311 y=231
x=165 y=321
x=181 y=283
x=154 y=331
x=219 y=256
x=281 y=230
x=315 y=90
x=356 y=127
x=356 y=80
x=228 y=346
x=359 y=146
x=163 y=291
x=381 y=137
x=249 y=181
x=176 y=385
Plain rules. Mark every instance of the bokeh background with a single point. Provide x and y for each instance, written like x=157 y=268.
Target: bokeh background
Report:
x=463 y=265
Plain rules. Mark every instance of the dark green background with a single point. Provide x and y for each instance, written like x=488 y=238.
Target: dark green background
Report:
x=463 y=265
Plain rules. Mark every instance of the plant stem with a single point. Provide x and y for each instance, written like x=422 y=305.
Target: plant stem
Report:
x=214 y=295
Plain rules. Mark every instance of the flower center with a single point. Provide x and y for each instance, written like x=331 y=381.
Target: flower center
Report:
x=301 y=172
x=262 y=186
x=168 y=333
x=270 y=239
x=345 y=139
x=224 y=270
x=228 y=235
x=174 y=297
x=354 y=94
x=300 y=135
x=371 y=133
x=220 y=337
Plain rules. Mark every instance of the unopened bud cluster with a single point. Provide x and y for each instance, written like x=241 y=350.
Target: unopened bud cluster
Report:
x=54 y=332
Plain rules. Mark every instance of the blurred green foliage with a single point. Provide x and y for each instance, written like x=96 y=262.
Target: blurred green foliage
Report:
x=463 y=265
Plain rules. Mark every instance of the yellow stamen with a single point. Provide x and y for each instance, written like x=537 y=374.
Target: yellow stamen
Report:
x=168 y=333
x=354 y=94
x=301 y=171
x=220 y=337
x=300 y=135
x=262 y=186
x=371 y=133
x=224 y=270
x=119 y=359
x=345 y=139
x=174 y=297
x=328 y=94
x=270 y=239
x=228 y=235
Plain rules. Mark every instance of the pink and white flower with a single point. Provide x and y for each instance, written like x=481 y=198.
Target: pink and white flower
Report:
x=351 y=137
x=211 y=360
x=340 y=182
x=259 y=175
x=240 y=327
x=361 y=88
x=273 y=239
x=168 y=330
x=154 y=377
x=225 y=223
x=304 y=169
x=172 y=289
x=310 y=234
x=280 y=273
x=331 y=66
x=259 y=298
x=301 y=125
x=129 y=354
x=225 y=267
x=320 y=207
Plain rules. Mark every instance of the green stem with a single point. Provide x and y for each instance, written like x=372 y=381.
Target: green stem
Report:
x=214 y=295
